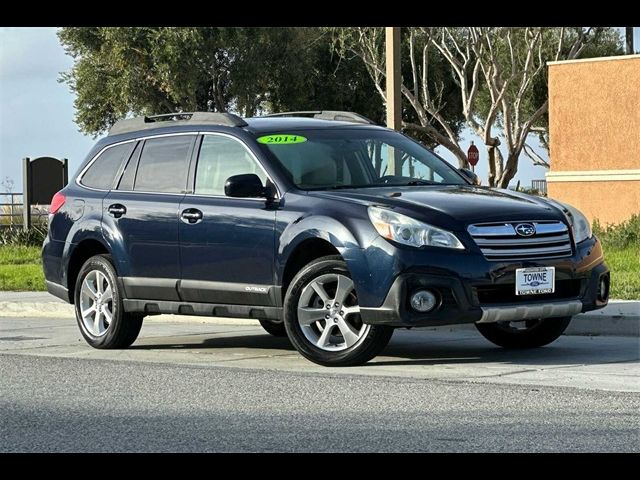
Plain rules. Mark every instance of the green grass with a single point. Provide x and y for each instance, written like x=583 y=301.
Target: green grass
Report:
x=21 y=268
x=625 y=271
x=22 y=277
x=19 y=255
x=621 y=244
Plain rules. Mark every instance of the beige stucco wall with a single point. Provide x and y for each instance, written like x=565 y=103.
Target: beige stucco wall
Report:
x=609 y=202
x=594 y=125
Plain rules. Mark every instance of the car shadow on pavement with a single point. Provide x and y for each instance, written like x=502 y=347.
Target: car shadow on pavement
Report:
x=262 y=341
x=562 y=352
x=434 y=349
x=433 y=355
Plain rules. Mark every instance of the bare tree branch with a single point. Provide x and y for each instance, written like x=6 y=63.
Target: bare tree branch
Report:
x=537 y=159
x=495 y=69
x=441 y=139
x=414 y=70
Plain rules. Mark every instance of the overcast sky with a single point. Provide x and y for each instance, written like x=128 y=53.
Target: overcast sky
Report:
x=36 y=112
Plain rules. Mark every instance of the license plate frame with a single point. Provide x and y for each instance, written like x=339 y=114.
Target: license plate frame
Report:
x=535 y=281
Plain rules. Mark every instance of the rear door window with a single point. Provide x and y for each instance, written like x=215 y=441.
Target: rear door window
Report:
x=103 y=170
x=164 y=164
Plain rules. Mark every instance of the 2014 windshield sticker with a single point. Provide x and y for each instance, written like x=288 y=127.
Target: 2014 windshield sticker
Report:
x=281 y=139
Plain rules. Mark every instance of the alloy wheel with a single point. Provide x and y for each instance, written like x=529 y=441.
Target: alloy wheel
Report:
x=96 y=303
x=329 y=314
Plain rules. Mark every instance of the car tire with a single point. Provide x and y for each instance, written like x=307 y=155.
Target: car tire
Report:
x=348 y=341
x=98 y=294
x=274 y=328
x=530 y=334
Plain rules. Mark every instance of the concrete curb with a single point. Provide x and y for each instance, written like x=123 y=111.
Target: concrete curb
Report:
x=619 y=318
x=63 y=310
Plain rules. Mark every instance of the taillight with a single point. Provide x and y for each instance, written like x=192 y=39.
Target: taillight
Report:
x=57 y=202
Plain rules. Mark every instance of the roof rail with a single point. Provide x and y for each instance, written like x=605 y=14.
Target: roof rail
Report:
x=327 y=115
x=184 y=118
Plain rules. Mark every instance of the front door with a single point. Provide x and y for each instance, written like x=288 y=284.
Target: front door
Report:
x=142 y=216
x=226 y=244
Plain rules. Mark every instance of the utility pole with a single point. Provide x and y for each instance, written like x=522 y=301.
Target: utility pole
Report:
x=629 y=38
x=394 y=98
x=394 y=109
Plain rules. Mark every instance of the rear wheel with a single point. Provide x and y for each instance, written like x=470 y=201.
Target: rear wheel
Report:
x=99 y=309
x=274 y=328
x=524 y=334
x=322 y=317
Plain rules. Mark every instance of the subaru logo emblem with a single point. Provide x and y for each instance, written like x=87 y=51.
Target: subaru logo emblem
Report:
x=525 y=229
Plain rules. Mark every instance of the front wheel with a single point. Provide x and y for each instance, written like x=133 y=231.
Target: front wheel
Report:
x=322 y=317
x=524 y=334
x=99 y=309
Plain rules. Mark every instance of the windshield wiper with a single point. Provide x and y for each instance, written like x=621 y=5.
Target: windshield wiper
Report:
x=378 y=185
x=420 y=182
x=410 y=183
x=339 y=187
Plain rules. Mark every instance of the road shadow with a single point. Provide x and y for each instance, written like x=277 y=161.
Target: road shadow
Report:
x=428 y=348
x=437 y=348
x=258 y=342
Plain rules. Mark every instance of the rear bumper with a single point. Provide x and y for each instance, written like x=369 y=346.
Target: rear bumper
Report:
x=53 y=264
x=53 y=253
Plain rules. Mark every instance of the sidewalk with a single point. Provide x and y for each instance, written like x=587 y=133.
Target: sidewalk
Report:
x=619 y=318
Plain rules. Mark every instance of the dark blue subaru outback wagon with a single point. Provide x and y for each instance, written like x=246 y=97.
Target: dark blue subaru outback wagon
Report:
x=330 y=230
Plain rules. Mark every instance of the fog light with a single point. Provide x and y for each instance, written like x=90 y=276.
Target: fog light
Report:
x=423 y=301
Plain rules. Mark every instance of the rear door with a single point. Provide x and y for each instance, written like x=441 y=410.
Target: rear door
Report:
x=227 y=252
x=141 y=216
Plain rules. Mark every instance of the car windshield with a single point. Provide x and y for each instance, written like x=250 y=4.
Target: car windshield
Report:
x=356 y=158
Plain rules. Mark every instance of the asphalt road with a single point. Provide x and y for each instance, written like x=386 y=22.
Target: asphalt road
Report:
x=204 y=387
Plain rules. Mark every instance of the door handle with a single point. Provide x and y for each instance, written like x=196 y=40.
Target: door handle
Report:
x=191 y=216
x=116 y=210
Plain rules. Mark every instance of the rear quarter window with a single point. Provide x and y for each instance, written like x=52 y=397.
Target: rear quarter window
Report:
x=104 y=169
x=129 y=173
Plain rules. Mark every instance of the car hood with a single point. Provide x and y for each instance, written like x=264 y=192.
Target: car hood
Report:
x=452 y=205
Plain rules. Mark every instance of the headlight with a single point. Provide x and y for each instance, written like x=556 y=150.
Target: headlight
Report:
x=579 y=223
x=408 y=231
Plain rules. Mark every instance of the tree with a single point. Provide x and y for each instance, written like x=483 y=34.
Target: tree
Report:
x=7 y=184
x=149 y=70
x=326 y=80
x=431 y=107
x=498 y=72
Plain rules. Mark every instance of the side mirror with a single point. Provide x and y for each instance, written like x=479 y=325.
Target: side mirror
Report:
x=247 y=185
x=469 y=175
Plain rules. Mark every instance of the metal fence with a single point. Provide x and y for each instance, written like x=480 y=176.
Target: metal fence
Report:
x=11 y=210
x=540 y=185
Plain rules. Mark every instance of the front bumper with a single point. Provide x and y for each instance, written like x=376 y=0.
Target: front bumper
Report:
x=491 y=298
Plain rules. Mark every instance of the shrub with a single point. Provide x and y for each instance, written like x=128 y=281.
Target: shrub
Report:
x=622 y=235
x=34 y=236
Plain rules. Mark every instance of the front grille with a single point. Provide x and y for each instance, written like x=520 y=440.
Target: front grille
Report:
x=499 y=241
x=506 y=293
